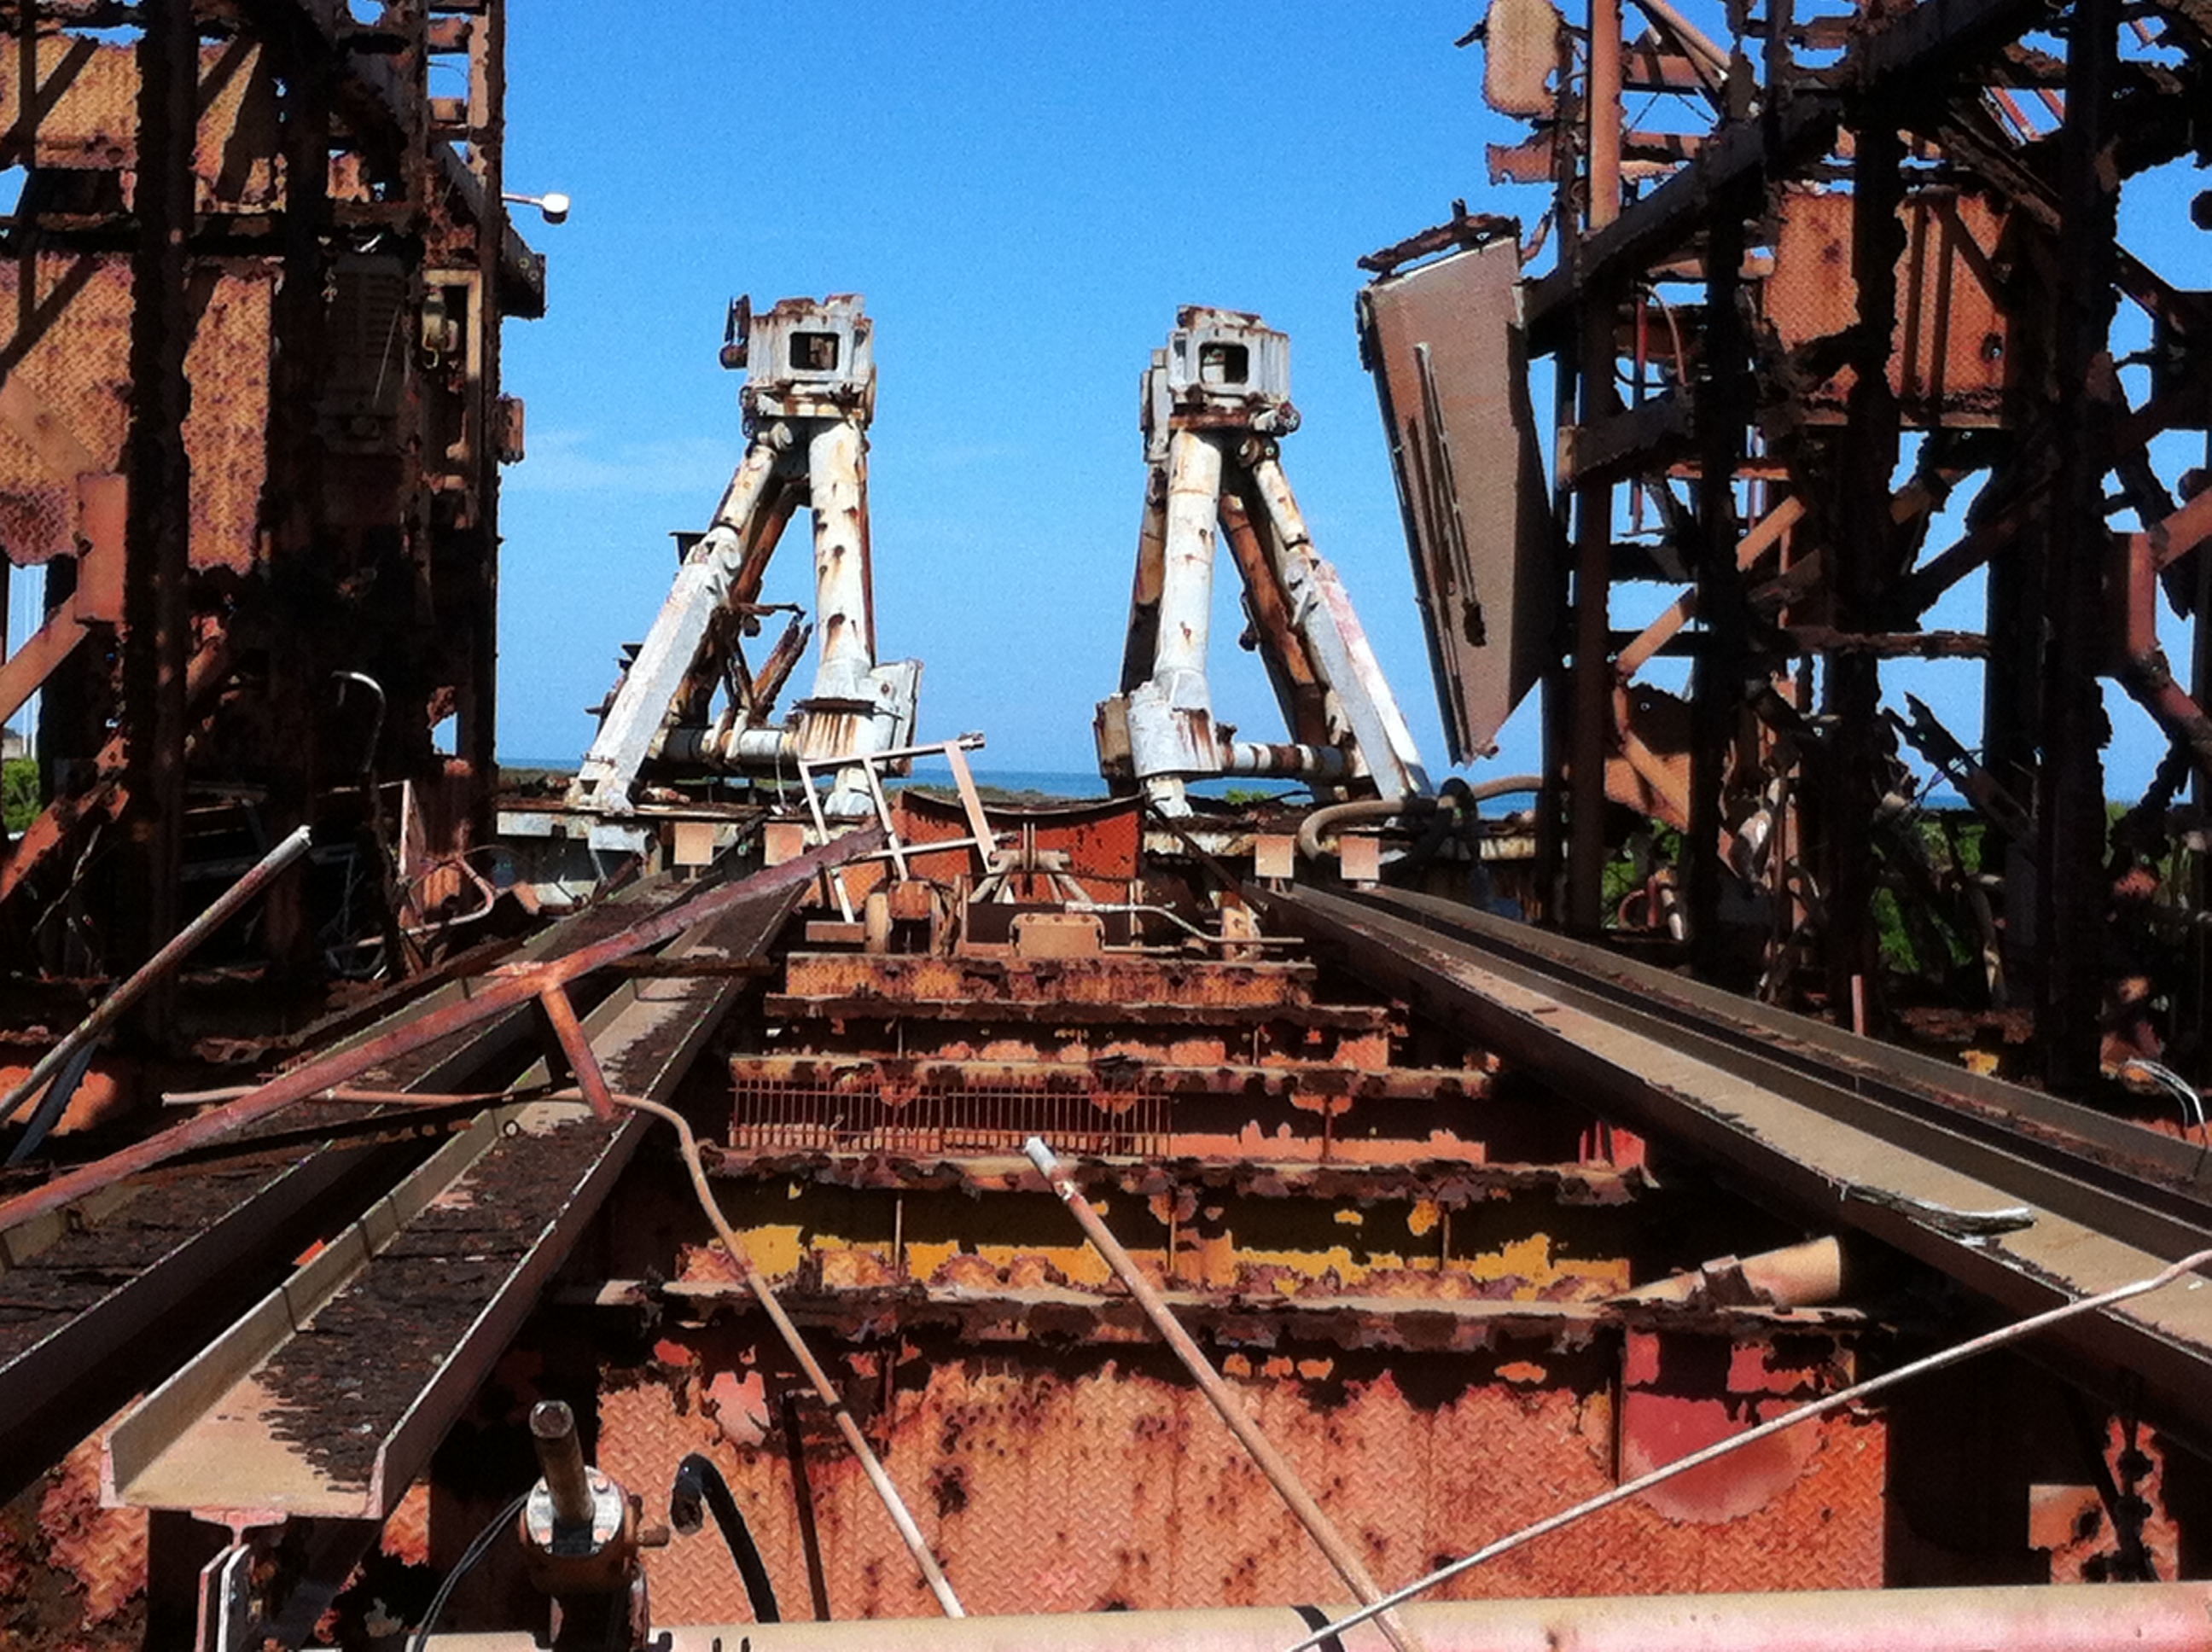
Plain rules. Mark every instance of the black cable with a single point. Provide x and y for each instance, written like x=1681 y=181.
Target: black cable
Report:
x=480 y=1547
x=697 y=1478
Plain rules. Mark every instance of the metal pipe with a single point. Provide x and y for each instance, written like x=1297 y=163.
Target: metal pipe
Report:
x=1797 y=1276
x=1307 y=762
x=577 y=1047
x=561 y=1461
x=503 y=989
x=1317 y=825
x=116 y=1004
x=817 y=1378
x=2018 y=1330
x=2022 y=1618
x=1270 y=1462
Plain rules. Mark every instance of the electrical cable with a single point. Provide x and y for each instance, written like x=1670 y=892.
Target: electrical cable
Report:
x=480 y=1547
x=698 y=1480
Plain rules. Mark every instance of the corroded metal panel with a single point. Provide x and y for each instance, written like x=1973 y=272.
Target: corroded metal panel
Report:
x=86 y=115
x=1451 y=374
x=1047 y=1487
x=68 y=336
x=1950 y=351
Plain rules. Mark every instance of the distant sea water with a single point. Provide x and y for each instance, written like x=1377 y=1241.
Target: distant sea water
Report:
x=1045 y=782
x=1086 y=783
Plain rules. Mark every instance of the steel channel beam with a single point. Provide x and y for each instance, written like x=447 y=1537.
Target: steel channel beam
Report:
x=131 y=1338
x=208 y=1438
x=1836 y=1146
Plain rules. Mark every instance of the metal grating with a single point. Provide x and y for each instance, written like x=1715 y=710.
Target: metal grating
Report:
x=936 y=1119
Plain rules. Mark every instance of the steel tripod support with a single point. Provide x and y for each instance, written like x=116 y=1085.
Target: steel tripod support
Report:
x=807 y=407
x=1215 y=402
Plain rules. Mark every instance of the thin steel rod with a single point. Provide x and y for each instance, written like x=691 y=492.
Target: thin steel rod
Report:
x=116 y=1004
x=1272 y=1462
x=2018 y=1330
x=577 y=1048
x=505 y=988
x=817 y=1378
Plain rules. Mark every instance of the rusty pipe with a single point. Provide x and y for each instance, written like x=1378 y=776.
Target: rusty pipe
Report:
x=1796 y=1276
x=561 y=1461
x=1604 y=99
x=2020 y=1618
x=505 y=988
x=116 y=1004
x=1270 y=1462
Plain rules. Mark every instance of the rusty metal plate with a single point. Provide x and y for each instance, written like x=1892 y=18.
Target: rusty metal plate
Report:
x=1950 y=353
x=1045 y=1488
x=1521 y=53
x=1451 y=372
x=67 y=332
x=87 y=104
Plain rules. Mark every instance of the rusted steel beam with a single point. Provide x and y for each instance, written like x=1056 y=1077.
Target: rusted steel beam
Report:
x=1350 y=1322
x=156 y=637
x=1862 y=559
x=2072 y=896
x=1270 y=1462
x=1723 y=399
x=1451 y=1184
x=507 y=988
x=2066 y=1618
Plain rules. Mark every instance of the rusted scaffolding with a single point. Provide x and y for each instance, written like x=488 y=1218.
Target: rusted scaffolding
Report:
x=1835 y=323
x=249 y=430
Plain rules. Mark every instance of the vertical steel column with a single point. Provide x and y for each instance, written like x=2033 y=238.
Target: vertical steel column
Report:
x=1724 y=402
x=1863 y=538
x=157 y=616
x=475 y=730
x=1557 y=689
x=1593 y=668
x=2070 y=817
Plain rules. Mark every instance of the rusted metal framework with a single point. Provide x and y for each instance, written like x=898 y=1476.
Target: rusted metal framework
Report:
x=250 y=429
x=1837 y=320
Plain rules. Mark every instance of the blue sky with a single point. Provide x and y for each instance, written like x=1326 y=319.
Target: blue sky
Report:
x=1024 y=195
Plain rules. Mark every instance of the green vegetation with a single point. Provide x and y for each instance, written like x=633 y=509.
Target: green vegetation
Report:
x=18 y=793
